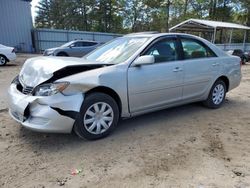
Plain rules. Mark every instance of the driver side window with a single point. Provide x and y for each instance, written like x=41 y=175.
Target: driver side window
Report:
x=76 y=44
x=163 y=51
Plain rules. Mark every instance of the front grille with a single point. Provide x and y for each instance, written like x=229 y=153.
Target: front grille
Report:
x=27 y=90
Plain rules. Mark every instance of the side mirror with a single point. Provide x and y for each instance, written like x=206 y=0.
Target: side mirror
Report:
x=144 y=60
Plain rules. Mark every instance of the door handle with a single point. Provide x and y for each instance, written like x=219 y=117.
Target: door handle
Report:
x=215 y=64
x=177 y=69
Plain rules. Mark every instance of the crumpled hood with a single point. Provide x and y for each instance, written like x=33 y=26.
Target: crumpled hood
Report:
x=40 y=69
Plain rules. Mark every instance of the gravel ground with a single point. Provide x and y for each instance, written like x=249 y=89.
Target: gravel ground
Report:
x=188 y=146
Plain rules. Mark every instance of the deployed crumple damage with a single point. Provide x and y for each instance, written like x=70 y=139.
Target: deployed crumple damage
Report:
x=42 y=69
x=60 y=111
x=85 y=81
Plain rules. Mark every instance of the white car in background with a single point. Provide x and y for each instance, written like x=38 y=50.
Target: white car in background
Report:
x=6 y=54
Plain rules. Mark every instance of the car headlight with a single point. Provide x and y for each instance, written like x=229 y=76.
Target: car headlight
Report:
x=15 y=80
x=48 y=52
x=51 y=89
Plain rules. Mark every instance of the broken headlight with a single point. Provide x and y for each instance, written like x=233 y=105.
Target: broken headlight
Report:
x=15 y=80
x=50 y=89
x=48 y=52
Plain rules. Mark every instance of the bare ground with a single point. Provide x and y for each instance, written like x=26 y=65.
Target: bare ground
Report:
x=189 y=146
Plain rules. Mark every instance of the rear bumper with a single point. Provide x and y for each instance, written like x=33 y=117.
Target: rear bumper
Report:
x=52 y=114
x=11 y=56
x=234 y=80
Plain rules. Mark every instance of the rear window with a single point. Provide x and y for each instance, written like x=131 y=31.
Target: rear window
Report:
x=194 y=49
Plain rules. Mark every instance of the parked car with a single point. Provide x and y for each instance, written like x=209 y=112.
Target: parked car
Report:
x=76 y=48
x=129 y=76
x=6 y=54
x=247 y=54
x=239 y=53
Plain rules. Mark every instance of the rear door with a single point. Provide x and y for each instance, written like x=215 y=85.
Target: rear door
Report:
x=201 y=65
x=157 y=84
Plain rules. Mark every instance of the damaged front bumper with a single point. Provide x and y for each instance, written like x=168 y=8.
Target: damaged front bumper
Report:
x=51 y=114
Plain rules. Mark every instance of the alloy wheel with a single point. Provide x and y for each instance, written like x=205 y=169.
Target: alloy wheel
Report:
x=98 y=118
x=218 y=94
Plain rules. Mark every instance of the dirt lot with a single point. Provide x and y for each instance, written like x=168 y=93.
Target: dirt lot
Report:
x=188 y=146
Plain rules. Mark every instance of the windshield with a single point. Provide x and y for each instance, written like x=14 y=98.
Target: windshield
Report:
x=67 y=44
x=117 y=51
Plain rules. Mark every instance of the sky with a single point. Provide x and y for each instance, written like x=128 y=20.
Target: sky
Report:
x=34 y=3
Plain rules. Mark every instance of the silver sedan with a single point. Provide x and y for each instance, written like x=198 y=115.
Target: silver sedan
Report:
x=76 y=48
x=129 y=76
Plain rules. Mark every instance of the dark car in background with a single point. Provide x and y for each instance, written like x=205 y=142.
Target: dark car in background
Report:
x=238 y=52
x=76 y=48
x=247 y=54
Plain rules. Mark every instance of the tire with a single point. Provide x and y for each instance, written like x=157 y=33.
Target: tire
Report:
x=62 y=54
x=3 y=60
x=218 y=90
x=97 y=109
x=244 y=61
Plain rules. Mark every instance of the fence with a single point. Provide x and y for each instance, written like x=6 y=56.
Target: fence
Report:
x=232 y=46
x=49 y=38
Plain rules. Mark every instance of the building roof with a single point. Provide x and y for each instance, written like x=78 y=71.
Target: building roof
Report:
x=206 y=25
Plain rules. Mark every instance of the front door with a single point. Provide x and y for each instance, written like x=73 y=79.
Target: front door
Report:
x=157 y=84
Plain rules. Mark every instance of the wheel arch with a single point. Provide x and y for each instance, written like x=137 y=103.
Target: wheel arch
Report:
x=225 y=80
x=62 y=52
x=108 y=91
x=5 y=57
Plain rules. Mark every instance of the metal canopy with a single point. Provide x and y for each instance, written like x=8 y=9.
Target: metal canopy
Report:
x=208 y=26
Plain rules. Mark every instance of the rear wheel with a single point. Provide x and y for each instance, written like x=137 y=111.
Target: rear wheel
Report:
x=217 y=95
x=98 y=117
x=3 y=60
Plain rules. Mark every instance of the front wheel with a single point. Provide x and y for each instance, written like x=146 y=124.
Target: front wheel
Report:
x=98 y=117
x=63 y=54
x=217 y=95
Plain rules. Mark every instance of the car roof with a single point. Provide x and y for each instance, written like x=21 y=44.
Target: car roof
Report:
x=156 y=34
x=84 y=41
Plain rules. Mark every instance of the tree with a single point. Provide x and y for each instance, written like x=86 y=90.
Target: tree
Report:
x=43 y=18
x=122 y=16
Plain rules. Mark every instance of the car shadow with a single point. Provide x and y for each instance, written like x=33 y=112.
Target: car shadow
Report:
x=56 y=142
x=9 y=65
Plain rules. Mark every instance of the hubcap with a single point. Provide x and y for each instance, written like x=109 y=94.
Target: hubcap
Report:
x=98 y=118
x=2 y=60
x=218 y=94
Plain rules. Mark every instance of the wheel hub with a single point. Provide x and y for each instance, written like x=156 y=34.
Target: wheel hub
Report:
x=218 y=94
x=98 y=118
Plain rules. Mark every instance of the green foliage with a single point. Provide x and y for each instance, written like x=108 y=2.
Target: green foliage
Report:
x=122 y=16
